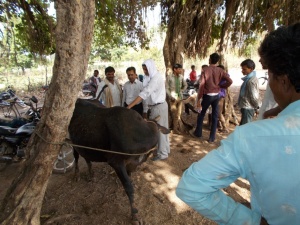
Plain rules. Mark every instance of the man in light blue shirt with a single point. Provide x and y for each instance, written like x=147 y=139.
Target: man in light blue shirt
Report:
x=265 y=152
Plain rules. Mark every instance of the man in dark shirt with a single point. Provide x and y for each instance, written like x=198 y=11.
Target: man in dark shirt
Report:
x=209 y=89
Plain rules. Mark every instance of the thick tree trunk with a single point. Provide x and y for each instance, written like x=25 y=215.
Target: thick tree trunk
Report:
x=75 y=20
x=229 y=113
x=231 y=6
x=173 y=49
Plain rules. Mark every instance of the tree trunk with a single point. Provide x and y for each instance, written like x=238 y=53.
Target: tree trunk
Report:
x=74 y=31
x=231 y=6
x=229 y=113
x=173 y=49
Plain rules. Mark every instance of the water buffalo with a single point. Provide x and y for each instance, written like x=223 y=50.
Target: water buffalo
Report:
x=116 y=129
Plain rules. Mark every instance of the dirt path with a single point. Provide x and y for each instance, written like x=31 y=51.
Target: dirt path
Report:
x=103 y=201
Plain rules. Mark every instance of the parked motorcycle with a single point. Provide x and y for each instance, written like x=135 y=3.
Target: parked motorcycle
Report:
x=88 y=90
x=190 y=89
x=11 y=94
x=15 y=134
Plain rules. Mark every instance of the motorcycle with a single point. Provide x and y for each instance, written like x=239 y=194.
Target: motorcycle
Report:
x=88 y=90
x=15 y=134
x=191 y=89
x=11 y=94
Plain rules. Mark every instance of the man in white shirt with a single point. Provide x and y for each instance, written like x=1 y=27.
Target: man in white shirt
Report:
x=154 y=93
x=131 y=90
x=269 y=107
x=112 y=94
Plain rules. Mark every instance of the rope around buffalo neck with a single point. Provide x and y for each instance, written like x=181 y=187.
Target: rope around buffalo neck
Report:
x=95 y=149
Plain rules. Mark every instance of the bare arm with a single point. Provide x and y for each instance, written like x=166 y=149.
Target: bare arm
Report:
x=271 y=112
x=135 y=101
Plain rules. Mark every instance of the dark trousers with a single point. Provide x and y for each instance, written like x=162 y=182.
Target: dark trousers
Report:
x=247 y=115
x=188 y=107
x=138 y=108
x=206 y=102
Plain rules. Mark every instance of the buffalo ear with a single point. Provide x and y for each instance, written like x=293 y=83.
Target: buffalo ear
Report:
x=163 y=129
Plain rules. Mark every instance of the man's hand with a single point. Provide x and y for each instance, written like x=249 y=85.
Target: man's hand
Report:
x=198 y=107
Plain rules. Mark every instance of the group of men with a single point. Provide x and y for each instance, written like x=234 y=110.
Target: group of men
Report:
x=264 y=152
x=139 y=96
x=161 y=96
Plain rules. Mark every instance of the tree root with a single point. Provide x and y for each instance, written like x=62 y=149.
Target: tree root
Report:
x=62 y=217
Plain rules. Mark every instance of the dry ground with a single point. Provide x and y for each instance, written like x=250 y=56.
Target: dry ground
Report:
x=103 y=201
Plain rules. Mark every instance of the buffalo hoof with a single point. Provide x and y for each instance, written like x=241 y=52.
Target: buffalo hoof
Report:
x=90 y=177
x=76 y=177
x=135 y=220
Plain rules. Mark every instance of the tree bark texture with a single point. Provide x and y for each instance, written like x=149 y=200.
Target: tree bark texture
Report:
x=74 y=31
x=189 y=29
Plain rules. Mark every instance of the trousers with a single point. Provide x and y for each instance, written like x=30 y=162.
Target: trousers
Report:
x=208 y=100
x=163 y=148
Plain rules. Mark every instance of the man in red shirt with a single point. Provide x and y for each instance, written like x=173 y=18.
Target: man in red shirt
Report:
x=209 y=89
x=193 y=75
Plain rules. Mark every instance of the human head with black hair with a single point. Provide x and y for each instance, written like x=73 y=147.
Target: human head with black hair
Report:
x=176 y=66
x=110 y=73
x=249 y=63
x=177 y=69
x=280 y=53
x=96 y=73
x=214 y=58
x=131 y=68
x=247 y=66
x=131 y=74
x=193 y=67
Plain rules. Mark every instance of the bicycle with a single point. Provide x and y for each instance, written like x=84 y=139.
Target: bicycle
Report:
x=265 y=78
x=65 y=160
x=8 y=108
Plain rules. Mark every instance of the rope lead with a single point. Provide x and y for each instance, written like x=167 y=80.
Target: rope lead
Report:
x=90 y=148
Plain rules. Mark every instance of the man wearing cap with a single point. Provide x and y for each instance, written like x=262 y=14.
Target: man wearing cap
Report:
x=154 y=93
x=175 y=84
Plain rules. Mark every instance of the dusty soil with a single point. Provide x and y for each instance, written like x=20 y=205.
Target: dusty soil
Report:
x=103 y=200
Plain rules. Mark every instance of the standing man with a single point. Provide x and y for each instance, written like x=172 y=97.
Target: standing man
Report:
x=249 y=93
x=209 y=89
x=269 y=107
x=265 y=152
x=193 y=74
x=112 y=94
x=154 y=93
x=175 y=84
x=131 y=90
x=94 y=82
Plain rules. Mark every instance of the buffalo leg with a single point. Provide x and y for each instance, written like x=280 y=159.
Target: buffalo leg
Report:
x=120 y=169
x=91 y=172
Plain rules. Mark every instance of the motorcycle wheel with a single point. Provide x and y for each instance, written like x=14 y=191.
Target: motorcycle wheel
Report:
x=6 y=156
x=8 y=112
x=65 y=160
